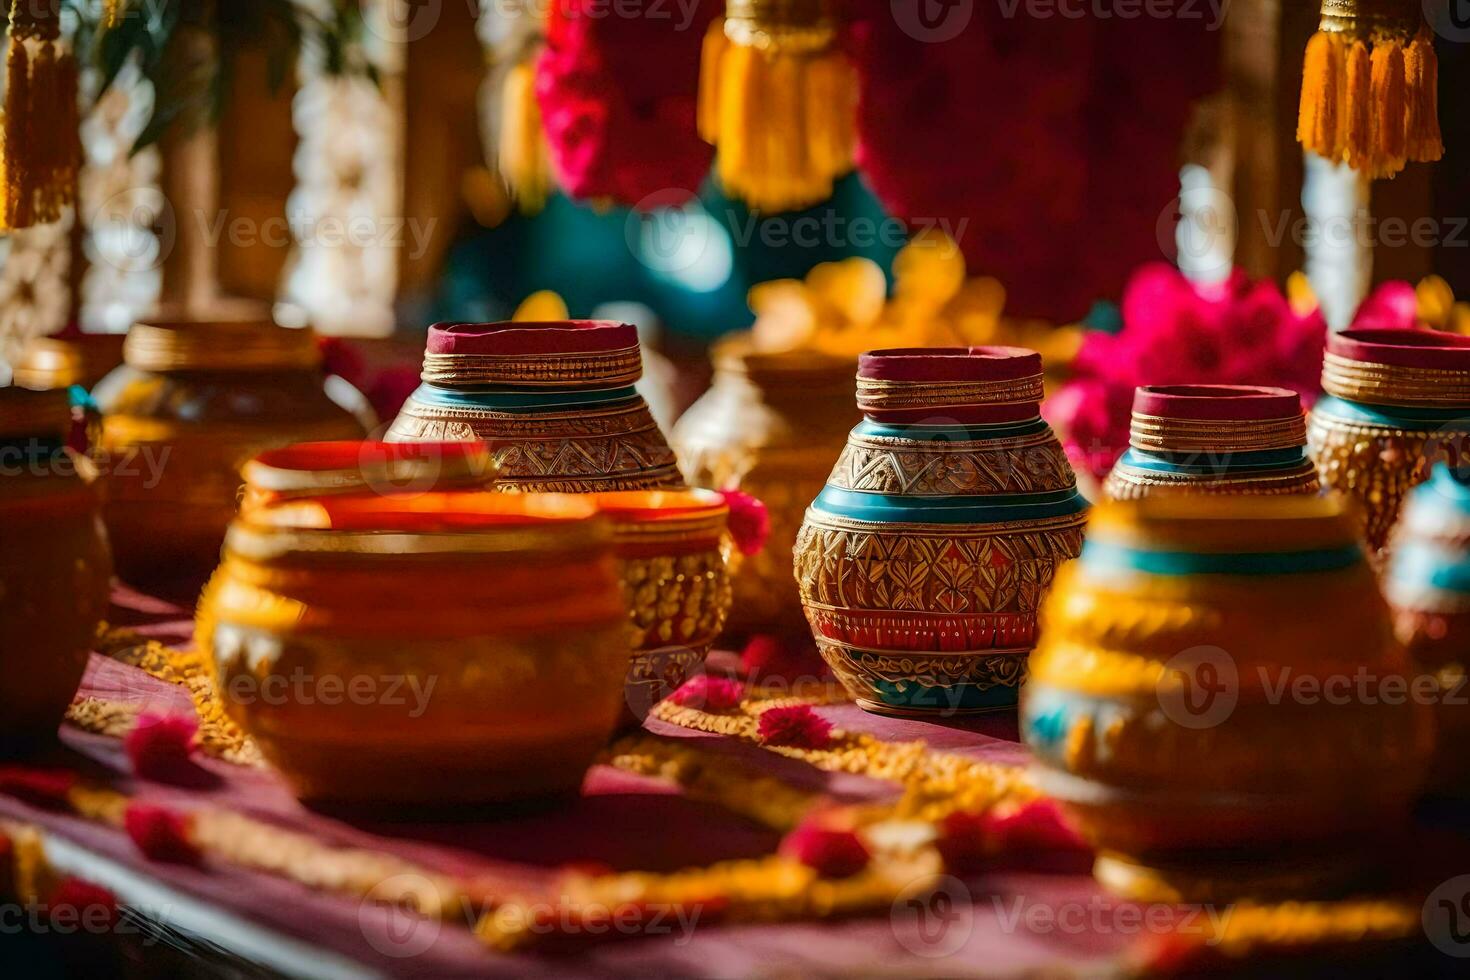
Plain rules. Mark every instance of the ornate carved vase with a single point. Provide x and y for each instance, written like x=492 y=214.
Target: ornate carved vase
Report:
x=922 y=561
x=555 y=401
x=1231 y=439
x=671 y=547
x=54 y=566
x=1396 y=402
x=1219 y=700
x=1428 y=586
x=332 y=469
x=191 y=404
x=421 y=651
x=770 y=426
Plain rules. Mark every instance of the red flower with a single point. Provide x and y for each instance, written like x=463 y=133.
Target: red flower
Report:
x=831 y=853
x=796 y=725
x=160 y=834
x=750 y=521
x=43 y=787
x=969 y=842
x=766 y=656
x=709 y=693
x=159 y=747
x=82 y=904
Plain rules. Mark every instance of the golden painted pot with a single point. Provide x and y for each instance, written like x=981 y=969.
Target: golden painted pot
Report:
x=1397 y=402
x=1214 y=439
x=54 y=566
x=423 y=651
x=1196 y=702
x=671 y=547
x=922 y=561
x=191 y=404
x=770 y=425
x=364 y=469
x=1428 y=586
x=555 y=401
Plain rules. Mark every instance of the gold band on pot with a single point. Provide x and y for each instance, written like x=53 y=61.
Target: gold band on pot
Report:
x=1153 y=433
x=876 y=395
x=1393 y=384
x=612 y=368
x=245 y=345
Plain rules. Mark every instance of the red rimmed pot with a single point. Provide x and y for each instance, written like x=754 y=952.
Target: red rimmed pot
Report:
x=321 y=469
x=55 y=566
x=672 y=547
x=922 y=561
x=1397 y=402
x=1215 y=439
x=555 y=401
x=422 y=651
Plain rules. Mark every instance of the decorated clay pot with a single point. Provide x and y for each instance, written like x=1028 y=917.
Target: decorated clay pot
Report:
x=671 y=547
x=54 y=566
x=334 y=469
x=770 y=426
x=1231 y=439
x=422 y=651
x=555 y=401
x=923 y=560
x=1428 y=586
x=1396 y=402
x=1218 y=699
x=191 y=404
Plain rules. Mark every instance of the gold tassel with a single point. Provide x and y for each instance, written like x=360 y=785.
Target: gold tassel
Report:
x=1368 y=87
x=42 y=150
x=778 y=99
x=525 y=163
x=1421 y=74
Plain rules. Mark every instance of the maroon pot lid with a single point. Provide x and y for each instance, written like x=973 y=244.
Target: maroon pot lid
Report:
x=1403 y=347
x=555 y=337
x=949 y=364
x=1217 y=402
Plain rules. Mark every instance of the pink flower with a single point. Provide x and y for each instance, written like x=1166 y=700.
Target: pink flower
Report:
x=159 y=747
x=1176 y=332
x=796 y=725
x=766 y=656
x=1393 y=305
x=831 y=853
x=709 y=693
x=750 y=522
x=160 y=834
x=970 y=842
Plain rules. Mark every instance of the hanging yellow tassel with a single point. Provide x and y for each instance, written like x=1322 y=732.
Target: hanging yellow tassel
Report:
x=1368 y=87
x=778 y=99
x=525 y=163
x=42 y=149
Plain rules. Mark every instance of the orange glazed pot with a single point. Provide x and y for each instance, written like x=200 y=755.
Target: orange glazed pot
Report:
x=54 y=566
x=191 y=404
x=671 y=548
x=426 y=652
x=364 y=469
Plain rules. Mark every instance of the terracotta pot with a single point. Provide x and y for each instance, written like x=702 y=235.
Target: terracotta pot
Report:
x=422 y=651
x=1428 y=587
x=922 y=561
x=1195 y=703
x=1397 y=402
x=555 y=401
x=335 y=469
x=1214 y=439
x=770 y=426
x=671 y=547
x=54 y=566
x=191 y=404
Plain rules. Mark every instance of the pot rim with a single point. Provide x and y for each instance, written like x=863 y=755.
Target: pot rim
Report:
x=519 y=337
x=1403 y=347
x=1217 y=402
x=224 y=345
x=323 y=465
x=936 y=364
